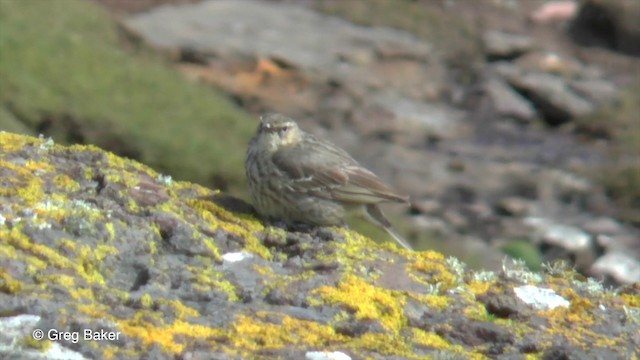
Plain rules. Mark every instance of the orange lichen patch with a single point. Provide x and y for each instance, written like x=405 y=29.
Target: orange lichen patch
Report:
x=574 y=324
x=255 y=333
x=171 y=338
x=430 y=268
x=366 y=301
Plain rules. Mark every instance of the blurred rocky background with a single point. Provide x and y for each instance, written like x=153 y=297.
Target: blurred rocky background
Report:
x=514 y=125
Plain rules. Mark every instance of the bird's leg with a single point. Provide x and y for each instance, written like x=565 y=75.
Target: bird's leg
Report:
x=376 y=216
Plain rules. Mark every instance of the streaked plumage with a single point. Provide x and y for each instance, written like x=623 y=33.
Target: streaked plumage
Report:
x=297 y=178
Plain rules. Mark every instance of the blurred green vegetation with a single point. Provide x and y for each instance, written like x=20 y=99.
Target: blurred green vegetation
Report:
x=526 y=251
x=65 y=72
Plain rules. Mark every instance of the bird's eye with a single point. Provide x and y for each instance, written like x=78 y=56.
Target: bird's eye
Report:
x=283 y=129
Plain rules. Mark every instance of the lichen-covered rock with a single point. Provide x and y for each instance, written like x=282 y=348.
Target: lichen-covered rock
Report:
x=113 y=260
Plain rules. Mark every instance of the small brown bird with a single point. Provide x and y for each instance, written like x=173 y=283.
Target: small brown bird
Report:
x=297 y=178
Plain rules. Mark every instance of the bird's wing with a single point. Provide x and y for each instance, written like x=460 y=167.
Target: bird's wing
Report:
x=327 y=171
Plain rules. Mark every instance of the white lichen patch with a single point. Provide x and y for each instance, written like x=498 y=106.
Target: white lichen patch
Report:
x=326 y=355
x=540 y=298
x=233 y=257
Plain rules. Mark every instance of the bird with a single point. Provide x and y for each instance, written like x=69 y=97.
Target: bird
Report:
x=297 y=178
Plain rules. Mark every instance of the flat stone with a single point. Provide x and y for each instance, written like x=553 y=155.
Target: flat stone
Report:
x=500 y=44
x=508 y=102
x=553 y=96
x=256 y=28
x=622 y=267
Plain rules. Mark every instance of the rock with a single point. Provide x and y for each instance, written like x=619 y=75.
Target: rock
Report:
x=508 y=102
x=417 y=120
x=427 y=206
x=564 y=236
x=540 y=298
x=324 y=68
x=79 y=252
x=598 y=91
x=613 y=24
x=514 y=206
x=552 y=96
x=623 y=268
x=502 y=45
x=257 y=29
x=604 y=226
x=555 y=11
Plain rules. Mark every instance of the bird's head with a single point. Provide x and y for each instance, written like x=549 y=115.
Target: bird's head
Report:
x=277 y=130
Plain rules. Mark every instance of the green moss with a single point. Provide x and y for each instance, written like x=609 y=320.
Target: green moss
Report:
x=69 y=70
x=526 y=251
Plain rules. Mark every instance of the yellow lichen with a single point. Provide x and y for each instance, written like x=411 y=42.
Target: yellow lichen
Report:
x=631 y=300
x=429 y=339
x=66 y=183
x=171 y=338
x=252 y=333
x=207 y=279
x=38 y=167
x=42 y=345
x=60 y=279
x=429 y=268
x=366 y=301
x=476 y=311
x=8 y=284
x=20 y=241
x=146 y=301
x=382 y=343
x=246 y=227
x=110 y=231
x=181 y=311
x=480 y=287
x=13 y=142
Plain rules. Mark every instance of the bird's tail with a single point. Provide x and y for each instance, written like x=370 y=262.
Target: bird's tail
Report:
x=375 y=215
